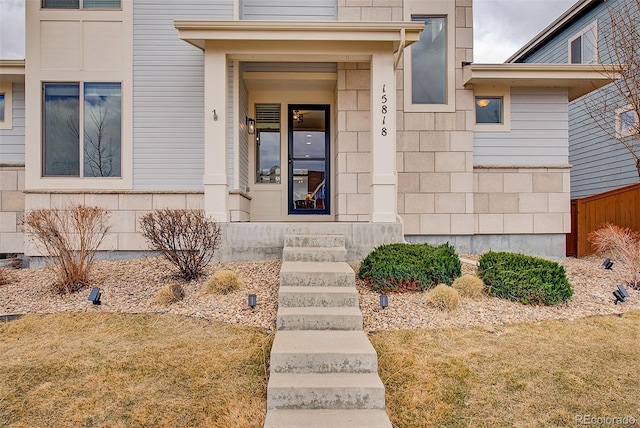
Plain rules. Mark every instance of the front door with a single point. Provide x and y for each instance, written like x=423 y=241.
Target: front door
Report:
x=309 y=138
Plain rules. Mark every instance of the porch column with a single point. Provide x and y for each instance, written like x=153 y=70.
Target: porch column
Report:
x=383 y=139
x=215 y=135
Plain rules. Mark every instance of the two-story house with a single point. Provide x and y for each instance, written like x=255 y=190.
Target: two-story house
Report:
x=359 y=117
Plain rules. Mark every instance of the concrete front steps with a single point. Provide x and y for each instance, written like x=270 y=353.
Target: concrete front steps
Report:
x=323 y=367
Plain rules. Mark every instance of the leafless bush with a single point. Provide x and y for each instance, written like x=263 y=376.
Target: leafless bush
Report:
x=623 y=244
x=187 y=238
x=68 y=238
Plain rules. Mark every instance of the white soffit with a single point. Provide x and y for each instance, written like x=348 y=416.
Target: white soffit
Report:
x=12 y=70
x=578 y=79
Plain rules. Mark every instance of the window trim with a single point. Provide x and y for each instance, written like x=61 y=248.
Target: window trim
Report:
x=503 y=92
x=436 y=9
x=6 y=88
x=80 y=7
x=622 y=134
x=593 y=26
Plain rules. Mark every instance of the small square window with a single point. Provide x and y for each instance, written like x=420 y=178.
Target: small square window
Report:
x=626 y=122
x=489 y=110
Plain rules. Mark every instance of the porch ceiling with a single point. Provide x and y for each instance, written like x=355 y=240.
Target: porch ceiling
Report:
x=322 y=40
x=578 y=79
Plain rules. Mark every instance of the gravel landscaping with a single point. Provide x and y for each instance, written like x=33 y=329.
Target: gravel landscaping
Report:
x=131 y=286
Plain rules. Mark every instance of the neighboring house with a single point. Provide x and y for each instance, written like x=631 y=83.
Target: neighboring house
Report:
x=359 y=117
x=579 y=36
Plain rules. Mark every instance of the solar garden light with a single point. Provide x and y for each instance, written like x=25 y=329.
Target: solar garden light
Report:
x=621 y=294
x=252 y=300
x=94 y=296
x=607 y=263
x=384 y=301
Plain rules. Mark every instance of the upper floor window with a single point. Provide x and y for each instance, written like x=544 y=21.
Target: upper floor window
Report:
x=583 y=47
x=627 y=122
x=76 y=4
x=429 y=62
x=87 y=147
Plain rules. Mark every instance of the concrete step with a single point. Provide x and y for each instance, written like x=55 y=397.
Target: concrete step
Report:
x=317 y=296
x=325 y=391
x=327 y=418
x=315 y=318
x=314 y=241
x=301 y=274
x=323 y=352
x=314 y=254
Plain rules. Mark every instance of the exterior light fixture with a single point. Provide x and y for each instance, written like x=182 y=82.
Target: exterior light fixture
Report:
x=251 y=125
x=94 y=296
x=252 y=300
x=607 y=263
x=384 y=301
x=215 y=115
x=621 y=294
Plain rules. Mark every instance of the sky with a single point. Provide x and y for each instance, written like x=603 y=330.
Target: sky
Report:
x=501 y=27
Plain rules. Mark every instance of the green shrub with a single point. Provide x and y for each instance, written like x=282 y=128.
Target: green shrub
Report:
x=443 y=297
x=525 y=279
x=469 y=286
x=395 y=267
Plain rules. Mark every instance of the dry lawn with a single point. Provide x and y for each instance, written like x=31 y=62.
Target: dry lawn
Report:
x=117 y=370
x=520 y=375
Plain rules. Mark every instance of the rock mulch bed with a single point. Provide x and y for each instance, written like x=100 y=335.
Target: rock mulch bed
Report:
x=131 y=286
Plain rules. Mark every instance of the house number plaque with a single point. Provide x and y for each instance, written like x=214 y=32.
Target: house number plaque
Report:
x=384 y=109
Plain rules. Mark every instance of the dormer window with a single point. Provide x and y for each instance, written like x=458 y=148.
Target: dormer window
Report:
x=583 y=47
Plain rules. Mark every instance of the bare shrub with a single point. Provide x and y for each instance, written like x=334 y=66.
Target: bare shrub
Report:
x=68 y=238
x=187 y=238
x=223 y=282
x=469 y=286
x=623 y=244
x=170 y=293
x=443 y=297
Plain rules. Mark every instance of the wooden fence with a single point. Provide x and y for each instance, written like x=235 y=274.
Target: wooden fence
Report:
x=619 y=206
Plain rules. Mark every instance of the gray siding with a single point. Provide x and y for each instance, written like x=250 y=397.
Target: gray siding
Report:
x=312 y=10
x=168 y=96
x=12 y=140
x=538 y=136
x=230 y=125
x=244 y=138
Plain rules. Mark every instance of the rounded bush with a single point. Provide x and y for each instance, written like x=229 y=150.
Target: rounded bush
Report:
x=524 y=279
x=407 y=267
x=469 y=286
x=169 y=294
x=223 y=282
x=443 y=297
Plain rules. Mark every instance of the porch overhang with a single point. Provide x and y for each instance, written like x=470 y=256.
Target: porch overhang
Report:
x=578 y=79
x=316 y=40
x=12 y=70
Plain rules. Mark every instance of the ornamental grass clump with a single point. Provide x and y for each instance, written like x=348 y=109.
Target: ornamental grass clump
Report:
x=69 y=239
x=223 y=282
x=409 y=267
x=169 y=294
x=524 y=279
x=469 y=286
x=443 y=297
x=623 y=244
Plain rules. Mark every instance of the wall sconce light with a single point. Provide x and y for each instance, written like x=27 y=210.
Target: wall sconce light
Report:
x=252 y=300
x=215 y=115
x=94 y=296
x=621 y=294
x=251 y=125
x=607 y=263
x=384 y=301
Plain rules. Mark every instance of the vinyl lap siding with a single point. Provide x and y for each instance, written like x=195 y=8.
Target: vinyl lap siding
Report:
x=12 y=140
x=244 y=138
x=168 y=95
x=538 y=136
x=312 y=10
x=230 y=125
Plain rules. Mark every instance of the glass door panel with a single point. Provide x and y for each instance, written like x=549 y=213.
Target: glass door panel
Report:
x=309 y=159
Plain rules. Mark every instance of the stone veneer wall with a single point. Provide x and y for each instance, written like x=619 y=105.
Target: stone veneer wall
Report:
x=11 y=208
x=126 y=208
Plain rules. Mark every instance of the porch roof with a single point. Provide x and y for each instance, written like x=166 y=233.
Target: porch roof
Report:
x=336 y=36
x=577 y=78
x=12 y=70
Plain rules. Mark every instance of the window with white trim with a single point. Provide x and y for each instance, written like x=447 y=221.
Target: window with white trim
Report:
x=583 y=47
x=492 y=105
x=82 y=139
x=489 y=110
x=429 y=62
x=81 y=4
x=5 y=105
x=627 y=122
